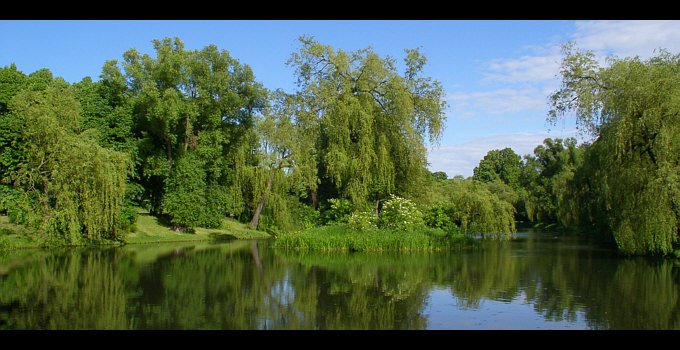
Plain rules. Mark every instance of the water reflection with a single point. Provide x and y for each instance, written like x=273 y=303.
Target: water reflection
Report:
x=530 y=282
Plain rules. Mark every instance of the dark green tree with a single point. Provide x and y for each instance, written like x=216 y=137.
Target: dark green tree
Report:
x=504 y=165
x=182 y=101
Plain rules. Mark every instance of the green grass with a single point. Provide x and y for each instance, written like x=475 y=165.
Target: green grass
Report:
x=340 y=238
x=148 y=229
x=14 y=236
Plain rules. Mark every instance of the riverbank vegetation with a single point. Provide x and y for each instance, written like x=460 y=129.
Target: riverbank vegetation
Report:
x=196 y=141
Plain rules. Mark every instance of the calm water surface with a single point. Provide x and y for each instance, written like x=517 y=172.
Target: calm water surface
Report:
x=535 y=281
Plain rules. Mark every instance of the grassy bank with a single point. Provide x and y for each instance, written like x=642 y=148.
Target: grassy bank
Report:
x=148 y=229
x=339 y=238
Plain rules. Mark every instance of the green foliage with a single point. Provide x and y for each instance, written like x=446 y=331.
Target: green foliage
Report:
x=400 y=214
x=186 y=101
x=438 y=217
x=339 y=210
x=545 y=177
x=504 y=165
x=185 y=200
x=363 y=220
x=439 y=175
x=128 y=218
x=631 y=170
x=470 y=207
x=342 y=238
x=371 y=122
x=73 y=185
x=302 y=215
x=11 y=82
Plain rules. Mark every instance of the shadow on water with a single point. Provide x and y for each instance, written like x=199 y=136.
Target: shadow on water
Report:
x=531 y=281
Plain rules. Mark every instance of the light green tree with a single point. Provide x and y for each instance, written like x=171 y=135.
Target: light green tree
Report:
x=631 y=106
x=75 y=186
x=287 y=157
x=373 y=121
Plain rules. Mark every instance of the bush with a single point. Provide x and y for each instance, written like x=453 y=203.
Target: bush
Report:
x=364 y=220
x=305 y=216
x=339 y=211
x=437 y=218
x=400 y=214
x=128 y=218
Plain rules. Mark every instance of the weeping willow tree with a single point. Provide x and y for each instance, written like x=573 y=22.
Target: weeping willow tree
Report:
x=476 y=210
x=632 y=107
x=373 y=122
x=287 y=160
x=75 y=185
x=469 y=206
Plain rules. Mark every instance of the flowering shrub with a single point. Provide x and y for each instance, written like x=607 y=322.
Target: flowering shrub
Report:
x=363 y=220
x=400 y=214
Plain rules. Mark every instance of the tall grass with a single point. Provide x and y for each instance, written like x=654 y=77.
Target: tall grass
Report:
x=340 y=238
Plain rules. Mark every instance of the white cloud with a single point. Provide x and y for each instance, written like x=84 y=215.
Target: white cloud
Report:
x=500 y=101
x=522 y=84
x=627 y=38
x=526 y=69
x=461 y=159
x=620 y=38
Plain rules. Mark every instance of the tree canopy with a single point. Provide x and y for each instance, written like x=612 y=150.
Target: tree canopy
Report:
x=372 y=121
x=633 y=167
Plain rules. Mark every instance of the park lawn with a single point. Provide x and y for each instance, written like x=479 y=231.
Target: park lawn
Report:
x=148 y=229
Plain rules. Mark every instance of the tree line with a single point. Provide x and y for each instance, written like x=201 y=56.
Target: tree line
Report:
x=624 y=185
x=192 y=137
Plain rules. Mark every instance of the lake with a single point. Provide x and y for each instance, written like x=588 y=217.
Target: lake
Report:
x=535 y=281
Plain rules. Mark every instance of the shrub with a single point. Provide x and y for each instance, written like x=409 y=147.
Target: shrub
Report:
x=339 y=211
x=400 y=214
x=305 y=215
x=364 y=220
x=437 y=218
x=128 y=218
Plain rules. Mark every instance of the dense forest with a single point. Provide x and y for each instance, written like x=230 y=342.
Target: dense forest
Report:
x=191 y=136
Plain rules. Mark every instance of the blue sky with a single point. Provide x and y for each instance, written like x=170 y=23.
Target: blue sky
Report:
x=496 y=74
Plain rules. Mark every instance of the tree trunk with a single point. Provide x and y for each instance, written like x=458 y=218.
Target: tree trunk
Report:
x=168 y=144
x=256 y=217
x=188 y=133
x=315 y=200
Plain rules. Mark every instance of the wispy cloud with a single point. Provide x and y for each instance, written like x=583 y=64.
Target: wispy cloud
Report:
x=521 y=84
x=525 y=69
x=461 y=159
x=627 y=38
x=499 y=101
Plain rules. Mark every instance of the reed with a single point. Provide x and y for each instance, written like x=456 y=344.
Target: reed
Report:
x=340 y=238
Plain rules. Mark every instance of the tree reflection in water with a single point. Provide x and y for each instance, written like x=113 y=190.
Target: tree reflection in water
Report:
x=247 y=285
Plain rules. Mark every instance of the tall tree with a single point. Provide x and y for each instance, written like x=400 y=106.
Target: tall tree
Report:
x=544 y=177
x=75 y=186
x=11 y=154
x=287 y=159
x=183 y=101
x=373 y=122
x=504 y=165
x=632 y=107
